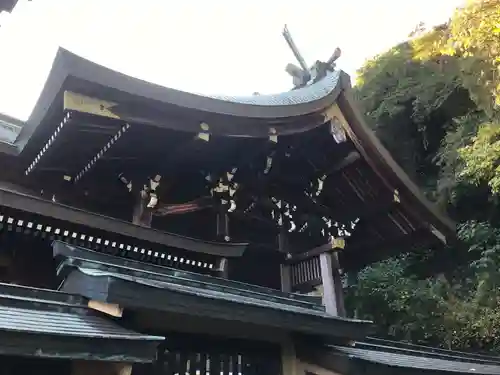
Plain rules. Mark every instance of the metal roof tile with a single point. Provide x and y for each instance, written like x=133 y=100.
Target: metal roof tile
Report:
x=302 y=95
x=41 y=311
x=64 y=323
x=419 y=362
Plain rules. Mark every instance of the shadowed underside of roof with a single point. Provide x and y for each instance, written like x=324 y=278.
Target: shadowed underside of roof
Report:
x=361 y=180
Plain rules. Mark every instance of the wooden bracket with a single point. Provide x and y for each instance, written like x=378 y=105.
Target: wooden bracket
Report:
x=106 y=308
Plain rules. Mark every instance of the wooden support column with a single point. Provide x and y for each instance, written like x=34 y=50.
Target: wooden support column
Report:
x=285 y=269
x=223 y=268
x=143 y=216
x=333 y=297
x=222 y=224
x=223 y=235
x=337 y=280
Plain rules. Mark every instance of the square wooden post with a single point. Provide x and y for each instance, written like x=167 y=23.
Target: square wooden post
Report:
x=285 y=269
x=333 y=295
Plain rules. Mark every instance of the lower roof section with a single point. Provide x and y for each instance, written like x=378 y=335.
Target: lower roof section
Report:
x=133 y=285
x=388 y=357
x=50 y=324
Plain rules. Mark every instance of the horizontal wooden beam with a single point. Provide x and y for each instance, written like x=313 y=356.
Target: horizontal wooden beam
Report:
x=35 y=205
x=337 y=244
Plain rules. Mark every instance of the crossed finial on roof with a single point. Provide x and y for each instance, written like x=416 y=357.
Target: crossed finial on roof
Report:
x=304 y=75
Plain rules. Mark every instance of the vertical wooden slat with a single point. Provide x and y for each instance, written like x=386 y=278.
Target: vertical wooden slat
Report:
x=234 y=364
x=196 y=364
x=188 y=355
x=225 y=364
x=309 y=270
x=317 y=269
x=191 y=359
x=170 y=363
x=215 y=364
x=209 y=364
x=177 y=364
x=247 y=366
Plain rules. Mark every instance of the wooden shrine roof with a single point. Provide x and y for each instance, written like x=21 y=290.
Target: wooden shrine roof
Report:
x=50 y=324
x=86 y=110
x=132 y=285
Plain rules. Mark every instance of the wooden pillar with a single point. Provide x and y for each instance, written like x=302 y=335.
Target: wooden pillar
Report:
x=223 y=235
x=290 y=363
x=223 y=268
x=222 y=224
x=333 y=297
x=285 y=269
x=337 y=280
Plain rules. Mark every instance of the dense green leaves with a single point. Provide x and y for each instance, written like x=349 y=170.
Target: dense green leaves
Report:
x=481 y=157
x=435 y=102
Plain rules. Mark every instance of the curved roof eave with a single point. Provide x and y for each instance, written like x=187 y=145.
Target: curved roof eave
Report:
x=389 y=171
x=312 y=99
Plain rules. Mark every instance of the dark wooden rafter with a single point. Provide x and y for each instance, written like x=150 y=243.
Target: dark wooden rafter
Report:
x=48 y=146
x=101 y=152
x=102 y=108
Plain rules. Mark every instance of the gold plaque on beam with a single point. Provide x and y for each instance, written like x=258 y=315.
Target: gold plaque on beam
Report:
x=338 y=243
x=86 y=104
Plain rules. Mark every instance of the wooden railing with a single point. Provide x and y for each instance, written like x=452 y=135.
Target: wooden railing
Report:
x=305 y=275
x=189 y=355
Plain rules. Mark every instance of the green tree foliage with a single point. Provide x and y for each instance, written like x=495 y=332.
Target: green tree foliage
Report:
x=438 y=95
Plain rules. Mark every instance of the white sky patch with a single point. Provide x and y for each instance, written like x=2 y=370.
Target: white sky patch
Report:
x=212 y=47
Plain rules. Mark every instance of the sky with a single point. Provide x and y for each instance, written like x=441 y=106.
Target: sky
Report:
x=212 y=47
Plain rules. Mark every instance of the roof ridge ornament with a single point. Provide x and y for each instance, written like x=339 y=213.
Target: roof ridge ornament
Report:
x=304 y=75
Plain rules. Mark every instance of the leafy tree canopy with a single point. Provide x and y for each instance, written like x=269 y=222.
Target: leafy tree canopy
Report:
x=434 y=101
